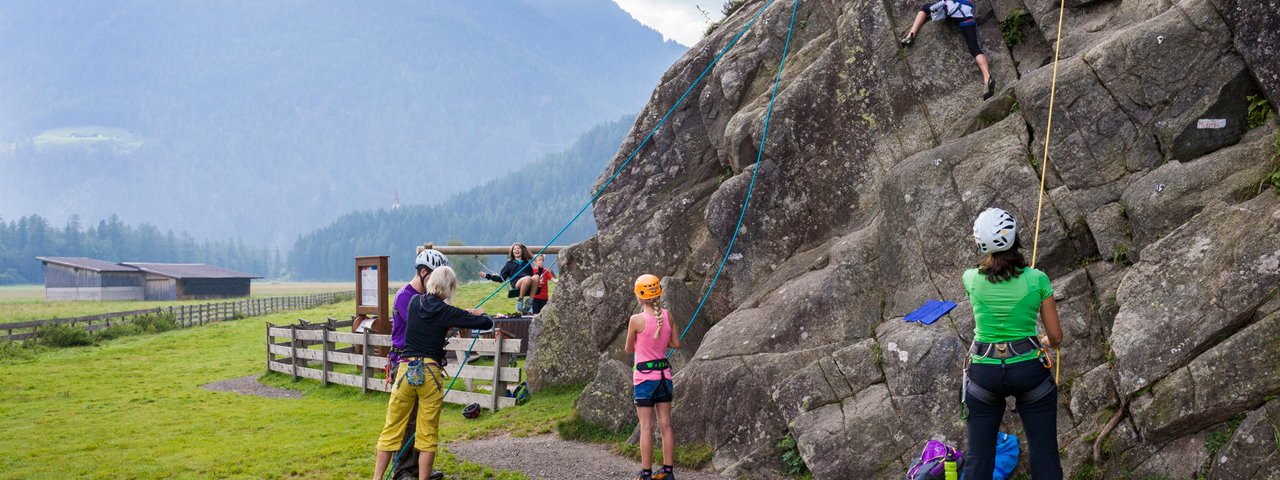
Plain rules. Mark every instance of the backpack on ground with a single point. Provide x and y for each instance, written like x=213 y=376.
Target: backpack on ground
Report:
x=521 y=393
x=931 y=465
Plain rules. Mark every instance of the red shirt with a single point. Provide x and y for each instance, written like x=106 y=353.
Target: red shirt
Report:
x=543 y=277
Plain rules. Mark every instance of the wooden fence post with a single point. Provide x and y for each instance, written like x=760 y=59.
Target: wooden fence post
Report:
x=324 y=356
x=497 y=366
x=364 y=363
x=269 y=355
x=293 y=349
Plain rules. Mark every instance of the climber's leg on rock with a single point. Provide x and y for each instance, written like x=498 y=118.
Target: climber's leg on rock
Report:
x=969 y=28
x=921 y=17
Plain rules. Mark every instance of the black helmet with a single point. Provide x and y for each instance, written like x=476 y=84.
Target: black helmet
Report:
x=472 y=411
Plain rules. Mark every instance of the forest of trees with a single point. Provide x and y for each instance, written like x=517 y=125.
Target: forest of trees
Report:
x=528 y=205
x=112 y=239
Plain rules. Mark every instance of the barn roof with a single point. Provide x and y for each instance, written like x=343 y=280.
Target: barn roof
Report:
x=85 y=263
x=189 y=270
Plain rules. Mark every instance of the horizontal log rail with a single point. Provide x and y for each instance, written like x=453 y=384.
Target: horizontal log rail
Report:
x=289 y=351
x=183 y=315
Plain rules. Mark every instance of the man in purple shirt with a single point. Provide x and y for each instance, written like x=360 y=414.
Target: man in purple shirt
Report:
x=427 y=261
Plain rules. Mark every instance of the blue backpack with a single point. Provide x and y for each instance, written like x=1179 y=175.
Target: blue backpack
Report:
x=521 y=393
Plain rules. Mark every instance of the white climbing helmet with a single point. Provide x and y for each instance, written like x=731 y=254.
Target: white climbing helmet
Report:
x=432 y=259
x=994 y=230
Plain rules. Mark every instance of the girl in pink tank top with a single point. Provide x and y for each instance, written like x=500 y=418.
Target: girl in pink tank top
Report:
x=650 y=334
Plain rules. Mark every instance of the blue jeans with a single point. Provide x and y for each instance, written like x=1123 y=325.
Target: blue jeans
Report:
x=1039 y=418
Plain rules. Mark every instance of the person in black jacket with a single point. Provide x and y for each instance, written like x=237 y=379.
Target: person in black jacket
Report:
x=423 y=378
x=523 y=285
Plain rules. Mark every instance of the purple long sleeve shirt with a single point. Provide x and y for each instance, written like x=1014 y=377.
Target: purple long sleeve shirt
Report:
x=399 y=324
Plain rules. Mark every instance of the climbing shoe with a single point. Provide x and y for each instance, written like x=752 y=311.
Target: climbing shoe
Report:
x=908 y=39
x=437 y=475
x=664 y=474
x=644 y=475
x=991 y=88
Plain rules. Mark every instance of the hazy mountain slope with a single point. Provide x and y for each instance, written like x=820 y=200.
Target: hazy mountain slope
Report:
x=263 y=119
x=527 y=205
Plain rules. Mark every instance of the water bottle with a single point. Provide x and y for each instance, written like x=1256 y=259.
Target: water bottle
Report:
x=949 y=466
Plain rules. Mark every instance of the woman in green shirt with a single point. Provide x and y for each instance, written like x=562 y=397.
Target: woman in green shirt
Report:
x=1006 y=357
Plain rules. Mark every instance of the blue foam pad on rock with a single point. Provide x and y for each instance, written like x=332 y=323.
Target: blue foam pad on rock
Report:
x=930 y=312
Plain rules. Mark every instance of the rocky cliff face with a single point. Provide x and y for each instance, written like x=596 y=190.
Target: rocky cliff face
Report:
x=1161 y=240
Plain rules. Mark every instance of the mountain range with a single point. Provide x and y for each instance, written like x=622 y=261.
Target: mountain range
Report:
x=265 y=120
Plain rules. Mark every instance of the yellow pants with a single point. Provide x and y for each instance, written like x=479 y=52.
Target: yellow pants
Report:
x=430 y=399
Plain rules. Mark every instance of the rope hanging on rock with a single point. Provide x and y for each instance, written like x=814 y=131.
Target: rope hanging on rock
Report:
x=734 y=41
x=764 y=135
x=1044 y=167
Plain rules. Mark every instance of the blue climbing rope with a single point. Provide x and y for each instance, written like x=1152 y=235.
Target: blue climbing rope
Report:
x=764 y=135
x=391 y=468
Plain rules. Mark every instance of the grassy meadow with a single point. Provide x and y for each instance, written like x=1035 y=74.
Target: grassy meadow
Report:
x=134 y=408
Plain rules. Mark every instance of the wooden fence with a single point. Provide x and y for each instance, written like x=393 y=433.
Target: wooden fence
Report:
x=294 y=342
x=184 y=315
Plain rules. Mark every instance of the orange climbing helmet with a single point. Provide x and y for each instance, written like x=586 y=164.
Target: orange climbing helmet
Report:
x=648 y=286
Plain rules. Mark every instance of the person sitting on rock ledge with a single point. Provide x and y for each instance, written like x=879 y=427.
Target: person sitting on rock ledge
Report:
x=1007 y=296
x=961 y=11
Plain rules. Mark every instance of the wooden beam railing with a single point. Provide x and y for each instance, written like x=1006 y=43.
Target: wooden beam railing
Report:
x=289 y=351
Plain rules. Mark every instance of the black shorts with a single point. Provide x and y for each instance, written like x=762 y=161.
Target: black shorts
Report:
x=537 y=305
x=968 y=28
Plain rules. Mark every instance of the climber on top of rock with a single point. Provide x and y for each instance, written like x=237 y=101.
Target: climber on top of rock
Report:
x=962 y=12
x=1007 y=296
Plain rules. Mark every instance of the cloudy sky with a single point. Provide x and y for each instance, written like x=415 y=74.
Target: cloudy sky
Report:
x=678 y=20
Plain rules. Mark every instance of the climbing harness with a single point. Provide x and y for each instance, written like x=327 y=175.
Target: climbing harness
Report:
x=1003 y=351
x=764 y=136
x=679 y=101
x=650 y=366
x=661 y=365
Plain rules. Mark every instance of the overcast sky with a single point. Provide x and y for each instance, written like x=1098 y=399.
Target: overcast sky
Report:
x=678 y=20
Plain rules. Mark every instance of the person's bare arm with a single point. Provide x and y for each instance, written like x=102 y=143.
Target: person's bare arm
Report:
x=631 y=334
x=1049 y=314
x=675 y=338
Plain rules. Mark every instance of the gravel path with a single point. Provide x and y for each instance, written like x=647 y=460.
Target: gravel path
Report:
x=251 y=386
x=548 y=457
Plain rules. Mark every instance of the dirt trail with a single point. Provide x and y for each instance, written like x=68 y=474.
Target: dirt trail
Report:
x=548 y=457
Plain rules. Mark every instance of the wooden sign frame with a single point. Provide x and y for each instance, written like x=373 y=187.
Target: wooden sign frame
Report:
x=382 y=321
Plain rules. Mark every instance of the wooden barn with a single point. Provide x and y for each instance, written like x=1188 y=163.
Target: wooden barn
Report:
x=191 y=281
x=79 y=278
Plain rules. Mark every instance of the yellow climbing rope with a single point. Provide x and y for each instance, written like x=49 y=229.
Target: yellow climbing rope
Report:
x=1044 y=167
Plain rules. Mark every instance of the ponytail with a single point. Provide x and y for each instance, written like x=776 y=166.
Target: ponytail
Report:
x=656 y=304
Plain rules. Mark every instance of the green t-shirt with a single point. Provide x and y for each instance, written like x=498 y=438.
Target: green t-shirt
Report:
x=1006 y=311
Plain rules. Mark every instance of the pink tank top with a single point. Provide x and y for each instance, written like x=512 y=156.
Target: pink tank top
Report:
x=649 y=348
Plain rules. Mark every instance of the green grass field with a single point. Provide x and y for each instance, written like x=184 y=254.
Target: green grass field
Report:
x=133 y=408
